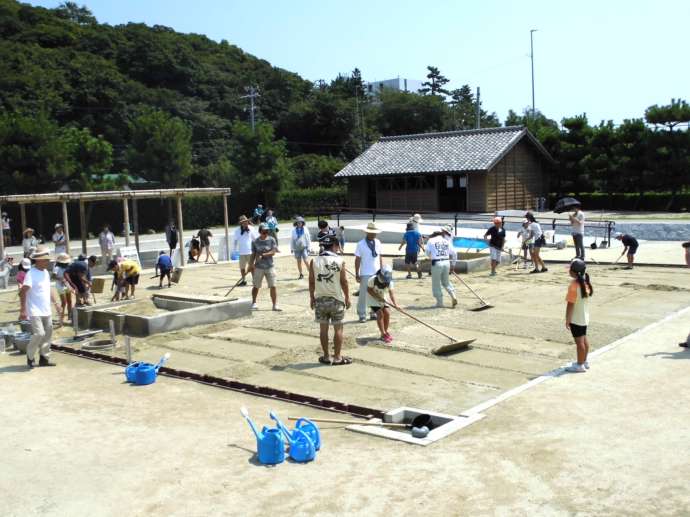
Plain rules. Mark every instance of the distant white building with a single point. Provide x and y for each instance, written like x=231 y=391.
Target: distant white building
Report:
x=399 y=84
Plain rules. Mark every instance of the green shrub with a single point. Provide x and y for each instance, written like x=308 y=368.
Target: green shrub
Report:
x=310 y=201
x=649 y=201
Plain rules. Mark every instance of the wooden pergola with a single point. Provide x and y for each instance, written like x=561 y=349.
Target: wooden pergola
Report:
x=113 y=195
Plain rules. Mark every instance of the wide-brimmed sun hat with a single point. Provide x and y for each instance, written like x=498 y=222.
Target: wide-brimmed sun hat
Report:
x=243 y=219
x=447 y=228
x=63 y=257
x=28 y=230
x=372 y=228
x=299 y=219
x=41 y=253
x=417 y=218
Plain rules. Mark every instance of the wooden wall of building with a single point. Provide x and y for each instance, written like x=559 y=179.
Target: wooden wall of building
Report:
x=476 y=192
x=516 y=180
x=357 y=192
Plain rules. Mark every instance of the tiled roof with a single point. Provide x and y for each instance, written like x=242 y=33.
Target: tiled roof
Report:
x=474 y=150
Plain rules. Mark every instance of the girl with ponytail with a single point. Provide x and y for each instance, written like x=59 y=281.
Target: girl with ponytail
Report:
x=580 y=291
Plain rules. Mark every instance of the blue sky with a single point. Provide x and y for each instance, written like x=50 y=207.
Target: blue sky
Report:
x=608 y=58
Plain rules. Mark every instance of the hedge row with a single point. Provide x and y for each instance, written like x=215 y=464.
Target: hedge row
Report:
x=651 y=201
x=309 y=201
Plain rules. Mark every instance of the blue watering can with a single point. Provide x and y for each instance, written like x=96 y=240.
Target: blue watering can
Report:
x=270 y=448
x=311 y=429
x=235 y=255
x=144 y=373
x=302 y=447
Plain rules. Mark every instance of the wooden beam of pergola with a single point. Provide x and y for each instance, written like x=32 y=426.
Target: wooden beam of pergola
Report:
x=114 y=195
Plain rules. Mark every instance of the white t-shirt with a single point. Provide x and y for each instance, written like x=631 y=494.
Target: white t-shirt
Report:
x=369 y=264
x=535 y=228
x=381 y=292
x=243 y=241
x=440 y=248
x=60 y=243
x=38 y=297
x=579 y=223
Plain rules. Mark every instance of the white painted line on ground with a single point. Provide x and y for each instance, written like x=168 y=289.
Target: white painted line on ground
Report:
x=560 y=371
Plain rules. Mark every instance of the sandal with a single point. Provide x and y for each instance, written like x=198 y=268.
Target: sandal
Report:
x=324 y=360
x=343 y=360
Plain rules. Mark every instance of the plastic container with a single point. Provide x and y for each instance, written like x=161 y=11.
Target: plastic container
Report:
x=301 y=445
x=145 y=374
x=270 y=447
x=311 y=430
x=235 y=255
x=131 y=371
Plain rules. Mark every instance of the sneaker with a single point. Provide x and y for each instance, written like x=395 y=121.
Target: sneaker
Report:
x=576 y=368
x=409 y=275
x=493 y=273
x=534 y=271
x=30 y=363
x=44 y=361
x=277 y=309
x=301 y=276
x=419 y=274
x=586 y=363
x=362 y=319
x=544 y=270
x=684 y=344
x=255 y=307
x=387 y=338
x=455 y=302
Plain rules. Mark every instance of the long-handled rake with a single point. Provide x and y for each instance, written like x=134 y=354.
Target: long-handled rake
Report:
x=484 y=304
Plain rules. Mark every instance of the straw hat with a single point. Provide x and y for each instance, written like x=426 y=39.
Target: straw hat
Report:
x=41 y=253
x=243 y=219
x=417 y=218
x=28 y=230
x=63 y=257
x=372 y=228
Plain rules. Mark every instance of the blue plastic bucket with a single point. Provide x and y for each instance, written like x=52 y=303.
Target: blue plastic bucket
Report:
x=235 y=255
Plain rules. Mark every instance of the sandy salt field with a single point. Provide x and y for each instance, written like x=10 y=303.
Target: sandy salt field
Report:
x=521 y=338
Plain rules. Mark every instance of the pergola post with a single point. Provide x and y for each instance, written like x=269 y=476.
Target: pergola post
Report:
x=180 y=229
x=82 y=224
x=65 y=225
x=22 y=216
x=2 y=241
x=125 y=208
x=225 y=222
x=135 y=214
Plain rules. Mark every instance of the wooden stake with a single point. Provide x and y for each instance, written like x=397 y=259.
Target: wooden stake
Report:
x=82 y=223
x=65 y=225
x=125 y=208
x=180 y=229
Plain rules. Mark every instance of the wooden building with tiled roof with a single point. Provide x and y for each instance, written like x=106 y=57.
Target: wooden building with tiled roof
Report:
x=481 y=170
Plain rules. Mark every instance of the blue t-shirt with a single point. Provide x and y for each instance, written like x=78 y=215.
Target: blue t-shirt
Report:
x=164 y=262
x=412 y=239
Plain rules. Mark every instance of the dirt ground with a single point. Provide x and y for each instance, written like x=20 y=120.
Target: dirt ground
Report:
x=522 y=337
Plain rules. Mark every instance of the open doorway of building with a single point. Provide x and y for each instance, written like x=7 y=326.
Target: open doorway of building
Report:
x=371 y=193
x=452 y=193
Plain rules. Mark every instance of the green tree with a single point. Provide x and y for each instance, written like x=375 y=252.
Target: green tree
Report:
x=75 y=13
x=160 y=148
x=463 y=111
x=260 y=164
x=435 y=84
x=312 y=170
x=33 y=156
x=632 y=152
x=403 y=113
x=574 y=147
x=92 y=158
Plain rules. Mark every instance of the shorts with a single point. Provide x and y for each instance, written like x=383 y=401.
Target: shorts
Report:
x=259 y=275
x=79 y=285
x=61 y=289
x=301 y=254
x=527 y=245
x=164 y=272
x=578 y=330
x=376 y=308
x=328 y=310
x=495 y=254
x=632 y=250
x=541 y=241
x=244 y=261
x=410 y=258
x=132 y=280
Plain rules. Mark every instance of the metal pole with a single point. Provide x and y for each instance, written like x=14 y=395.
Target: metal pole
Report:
x=225 y=223
x=456 y=225
x=65 y=225
x=82 y=224
x=180 y=228
x=531 y=55
x=125 y=208
x=479 y=112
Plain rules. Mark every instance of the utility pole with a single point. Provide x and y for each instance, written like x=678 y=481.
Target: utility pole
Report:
x=531 y=55
x=252 y=93
x=479 y=110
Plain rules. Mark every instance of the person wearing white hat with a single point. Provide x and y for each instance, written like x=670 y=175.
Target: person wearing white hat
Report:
x=368 y=261
x=35 y=298
x=64 y=291
x=439 y=248
x=29 y=242
x=300 y=242
x=378 y=286
x=242 y=243
x=60 y=239
x=415 y=220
